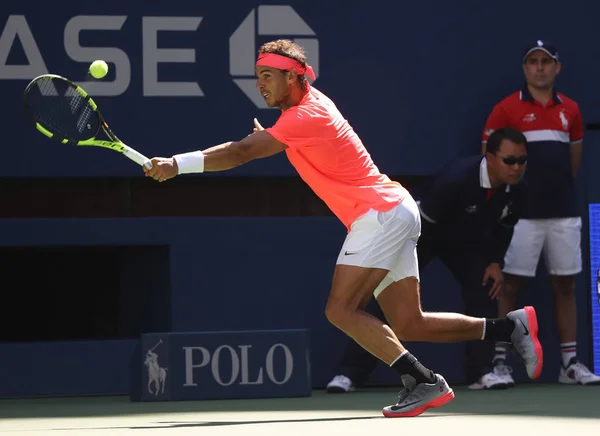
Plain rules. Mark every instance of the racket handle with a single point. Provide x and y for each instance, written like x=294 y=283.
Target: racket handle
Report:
x=137 y=157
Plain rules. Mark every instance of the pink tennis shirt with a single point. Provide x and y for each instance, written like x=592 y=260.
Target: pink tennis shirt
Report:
x=330 y=157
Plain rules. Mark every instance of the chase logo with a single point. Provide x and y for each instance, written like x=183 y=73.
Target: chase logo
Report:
x=276 y=21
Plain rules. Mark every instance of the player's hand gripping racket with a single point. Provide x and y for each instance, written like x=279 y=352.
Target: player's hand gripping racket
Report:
x=62 y=110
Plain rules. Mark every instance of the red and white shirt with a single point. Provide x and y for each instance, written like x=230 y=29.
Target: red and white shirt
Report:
x=550 y=130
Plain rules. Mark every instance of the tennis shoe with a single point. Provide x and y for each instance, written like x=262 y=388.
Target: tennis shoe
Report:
x=415 y=398
x=525 y=340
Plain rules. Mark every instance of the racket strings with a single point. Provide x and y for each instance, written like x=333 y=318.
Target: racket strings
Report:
x=62 y=110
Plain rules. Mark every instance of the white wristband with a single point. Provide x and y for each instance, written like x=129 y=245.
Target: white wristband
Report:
x=192 y=162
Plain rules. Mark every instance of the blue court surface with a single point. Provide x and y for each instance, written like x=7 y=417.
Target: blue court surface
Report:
x=549 y=409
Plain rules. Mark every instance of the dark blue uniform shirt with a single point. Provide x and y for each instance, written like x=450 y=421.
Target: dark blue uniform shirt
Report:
x=459 y=210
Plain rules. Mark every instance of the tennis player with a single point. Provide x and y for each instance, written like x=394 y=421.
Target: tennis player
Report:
x=378 y=257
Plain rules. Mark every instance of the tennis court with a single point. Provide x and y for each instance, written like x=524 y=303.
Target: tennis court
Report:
x=549 y=409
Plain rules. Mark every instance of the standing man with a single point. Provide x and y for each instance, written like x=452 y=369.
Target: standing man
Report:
x=378 y=256
x=553 y=126
x=468 y=215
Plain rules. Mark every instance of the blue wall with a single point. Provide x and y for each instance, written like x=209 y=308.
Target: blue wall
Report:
x=229 y=274
x=416 y=80
x=411 y=77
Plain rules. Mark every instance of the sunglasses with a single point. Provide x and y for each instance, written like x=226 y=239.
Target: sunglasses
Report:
x=511 y=160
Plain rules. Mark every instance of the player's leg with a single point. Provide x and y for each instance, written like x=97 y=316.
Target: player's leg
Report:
x=562 y=254
x=351 y=287
x=357 y=363
x=520 y=263
x=398 y=295
x=371 y=249
x=401 y=304
x=399 y=298
x=359 y=269
x=423 y=389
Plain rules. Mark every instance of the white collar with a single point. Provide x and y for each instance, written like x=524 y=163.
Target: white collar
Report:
x=484 y=176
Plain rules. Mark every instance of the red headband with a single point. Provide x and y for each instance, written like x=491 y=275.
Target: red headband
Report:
x=284 y=63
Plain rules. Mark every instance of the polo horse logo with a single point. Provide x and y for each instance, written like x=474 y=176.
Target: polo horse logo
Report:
x=564 y=120
x=157 y=375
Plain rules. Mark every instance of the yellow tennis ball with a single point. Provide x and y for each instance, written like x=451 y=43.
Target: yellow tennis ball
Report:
x=98 y=69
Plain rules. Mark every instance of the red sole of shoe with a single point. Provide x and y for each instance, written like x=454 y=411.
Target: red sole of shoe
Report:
x=438 y=402
x=533 y=331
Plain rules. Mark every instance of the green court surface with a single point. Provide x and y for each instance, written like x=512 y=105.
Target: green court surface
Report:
x=548 y=409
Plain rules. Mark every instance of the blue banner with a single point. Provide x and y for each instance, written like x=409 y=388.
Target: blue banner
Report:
x=415 y=80
x=594 y=290
x=218 y=365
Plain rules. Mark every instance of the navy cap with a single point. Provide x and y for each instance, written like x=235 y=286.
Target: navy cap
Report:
x=544 y=46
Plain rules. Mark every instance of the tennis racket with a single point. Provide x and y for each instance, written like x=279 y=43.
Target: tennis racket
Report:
x=63 y=111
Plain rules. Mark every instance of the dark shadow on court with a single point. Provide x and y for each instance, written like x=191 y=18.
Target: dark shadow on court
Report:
x=549 y=400
x=171 y=425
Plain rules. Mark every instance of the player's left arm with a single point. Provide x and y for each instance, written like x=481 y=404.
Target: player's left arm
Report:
x=220 y=157
x=576 y=137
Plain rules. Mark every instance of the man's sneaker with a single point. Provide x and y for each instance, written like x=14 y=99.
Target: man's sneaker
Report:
x=415 y=399
x=488 y=381
x=577 y=373
x=340 y=384
x=525 y=340
x=504 y=373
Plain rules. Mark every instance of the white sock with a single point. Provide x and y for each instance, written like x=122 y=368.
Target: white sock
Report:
x=500 y=354
x=568 y=350
x=484 y=328
x=398 y=358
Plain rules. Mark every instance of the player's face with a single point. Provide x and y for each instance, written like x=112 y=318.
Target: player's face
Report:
x=508 y=162
x=273 y=84
x=540 y=69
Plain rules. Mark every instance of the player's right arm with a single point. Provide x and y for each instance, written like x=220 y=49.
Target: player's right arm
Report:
x=496 y=120
x=294 y=128
x=220 y=157
x=233 y=154
x=258 y=145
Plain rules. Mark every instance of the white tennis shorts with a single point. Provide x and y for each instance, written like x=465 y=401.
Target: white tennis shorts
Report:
x=559 y=239
x=386 y=240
